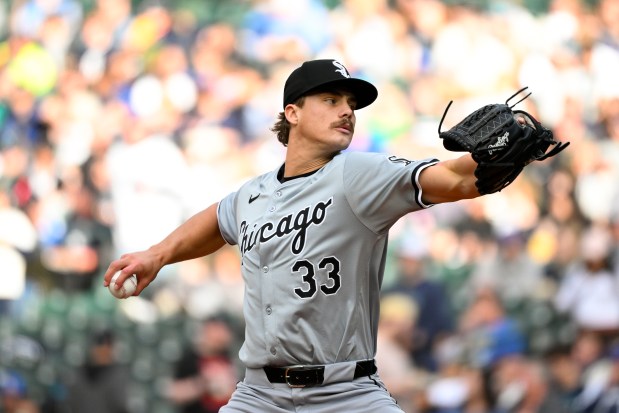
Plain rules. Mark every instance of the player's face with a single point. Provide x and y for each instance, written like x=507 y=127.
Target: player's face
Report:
x=328 y=119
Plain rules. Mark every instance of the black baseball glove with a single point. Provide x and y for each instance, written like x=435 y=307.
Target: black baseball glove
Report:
x=502 y=141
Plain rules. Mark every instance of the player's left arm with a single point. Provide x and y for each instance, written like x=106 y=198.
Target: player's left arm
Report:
x=449 y=180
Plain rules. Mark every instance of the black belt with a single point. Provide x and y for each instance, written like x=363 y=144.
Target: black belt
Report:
x=307 y=376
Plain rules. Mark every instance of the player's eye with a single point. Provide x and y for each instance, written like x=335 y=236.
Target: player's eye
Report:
x=330 y=100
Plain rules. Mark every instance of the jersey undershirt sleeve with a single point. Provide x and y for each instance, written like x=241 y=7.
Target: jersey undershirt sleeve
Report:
x=382 y=188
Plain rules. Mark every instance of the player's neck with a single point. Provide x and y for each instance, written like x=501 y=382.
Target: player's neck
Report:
x=282 y=179
x=295 y=166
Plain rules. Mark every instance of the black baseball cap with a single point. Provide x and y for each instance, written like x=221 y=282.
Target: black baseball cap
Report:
x=327 y=73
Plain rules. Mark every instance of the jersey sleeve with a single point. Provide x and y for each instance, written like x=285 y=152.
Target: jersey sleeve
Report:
x=382 y=188
x=226 y=217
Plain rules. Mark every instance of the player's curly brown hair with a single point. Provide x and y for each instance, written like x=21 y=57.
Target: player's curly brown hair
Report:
x=281 y=128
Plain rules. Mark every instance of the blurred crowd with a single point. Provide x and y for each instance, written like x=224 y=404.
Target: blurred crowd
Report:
x=120 y=119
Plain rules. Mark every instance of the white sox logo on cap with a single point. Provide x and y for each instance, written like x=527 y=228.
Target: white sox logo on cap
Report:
x=341 y=69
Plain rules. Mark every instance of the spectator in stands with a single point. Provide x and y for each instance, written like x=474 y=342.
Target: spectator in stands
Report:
x=609 y=399
x=520 y=385
x=14 y=394
x=434 y=315
x=589 y=352
x=76 y=258
x=490 y=335
x=589 y=291
x=396 y=328
x=206 y=374
x=101 y=385
x=509 y=271
x=564 y=375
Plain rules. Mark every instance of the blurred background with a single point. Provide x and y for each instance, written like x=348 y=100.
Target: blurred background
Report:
x=119 y=119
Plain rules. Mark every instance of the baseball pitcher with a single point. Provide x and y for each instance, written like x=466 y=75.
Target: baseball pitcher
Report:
x=312 y=237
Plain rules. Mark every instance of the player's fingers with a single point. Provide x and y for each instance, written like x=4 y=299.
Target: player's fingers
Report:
x=143 y=282
x=113 y=268
x=131 y=264
x=124 y=271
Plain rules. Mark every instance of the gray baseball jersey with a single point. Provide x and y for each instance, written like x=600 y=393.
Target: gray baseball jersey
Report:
x=313 y=253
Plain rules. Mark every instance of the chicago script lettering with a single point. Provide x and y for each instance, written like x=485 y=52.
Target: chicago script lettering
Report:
x=299 y=223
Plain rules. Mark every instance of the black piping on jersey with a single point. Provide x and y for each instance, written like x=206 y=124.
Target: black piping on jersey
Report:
x=282 y=179
x=416 y=187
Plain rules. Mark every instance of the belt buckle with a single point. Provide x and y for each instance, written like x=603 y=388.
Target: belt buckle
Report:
x=287 y=377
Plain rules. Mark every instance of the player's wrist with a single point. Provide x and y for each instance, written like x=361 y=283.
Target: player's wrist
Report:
x=160 y=256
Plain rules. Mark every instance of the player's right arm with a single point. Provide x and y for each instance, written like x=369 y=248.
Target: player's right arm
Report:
x=196 y=237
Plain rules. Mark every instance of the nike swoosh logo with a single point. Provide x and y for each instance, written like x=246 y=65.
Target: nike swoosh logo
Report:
x=252 y=198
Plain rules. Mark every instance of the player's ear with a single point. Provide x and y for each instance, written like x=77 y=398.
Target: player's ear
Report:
x=291 y=113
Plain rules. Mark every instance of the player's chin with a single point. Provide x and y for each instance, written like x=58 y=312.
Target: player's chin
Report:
x=342 y=140
x=337 y=149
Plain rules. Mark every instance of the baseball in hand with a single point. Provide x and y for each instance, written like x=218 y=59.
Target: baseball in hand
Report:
x=126 y=290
